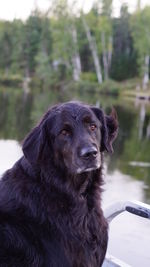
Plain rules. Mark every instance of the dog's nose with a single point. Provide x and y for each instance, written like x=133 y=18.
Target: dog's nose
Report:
x=88 y=152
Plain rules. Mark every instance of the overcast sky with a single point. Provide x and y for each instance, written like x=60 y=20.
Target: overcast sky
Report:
x=10 y=9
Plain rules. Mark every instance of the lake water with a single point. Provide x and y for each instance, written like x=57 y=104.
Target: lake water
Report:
x=127 y=170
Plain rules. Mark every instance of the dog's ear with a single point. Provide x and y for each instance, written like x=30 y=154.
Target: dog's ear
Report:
x=37 y=146
x=109 y=128
x=34 y=144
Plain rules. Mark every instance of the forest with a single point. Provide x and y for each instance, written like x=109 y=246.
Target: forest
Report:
x=53 y=48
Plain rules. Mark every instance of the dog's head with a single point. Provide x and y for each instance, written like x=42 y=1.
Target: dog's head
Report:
x=72 y=135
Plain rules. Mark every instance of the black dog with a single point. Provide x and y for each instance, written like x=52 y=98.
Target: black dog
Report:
x=50 y=201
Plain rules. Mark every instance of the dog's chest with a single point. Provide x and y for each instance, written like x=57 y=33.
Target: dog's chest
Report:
x=84 y=240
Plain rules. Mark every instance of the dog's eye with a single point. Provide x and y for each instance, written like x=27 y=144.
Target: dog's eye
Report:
x=93 y=127
x=65 y=132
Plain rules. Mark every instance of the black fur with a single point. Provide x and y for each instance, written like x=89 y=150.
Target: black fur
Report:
x=50 y=201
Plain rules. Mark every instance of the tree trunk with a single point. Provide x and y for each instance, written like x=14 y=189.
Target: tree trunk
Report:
x=93 y=48
x=105 y=59
x=26 y=81
x=76 y=57
x=146 y=72
x=148 y=131
x=110 y=52
x=138 y=4
x=141 y=120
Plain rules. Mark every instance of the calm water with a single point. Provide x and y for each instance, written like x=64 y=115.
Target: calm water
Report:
x=127 y=170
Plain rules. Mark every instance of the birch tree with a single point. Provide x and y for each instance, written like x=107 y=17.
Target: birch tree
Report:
x=65 y=40
x=99 y=26
x=76 y=56
x=105 y=36
x=105 y=27
x=93 y=48
x=140 y=28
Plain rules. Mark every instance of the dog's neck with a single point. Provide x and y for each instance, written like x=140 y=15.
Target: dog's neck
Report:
x=62 y=193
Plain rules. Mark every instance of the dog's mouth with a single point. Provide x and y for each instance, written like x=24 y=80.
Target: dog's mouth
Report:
x=89 y=165
x=78 y=165
x=88 y=168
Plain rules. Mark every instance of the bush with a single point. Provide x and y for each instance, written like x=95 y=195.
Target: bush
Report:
x=11 y=81
x=110 y=87
x=82 y=86
x=88 y=76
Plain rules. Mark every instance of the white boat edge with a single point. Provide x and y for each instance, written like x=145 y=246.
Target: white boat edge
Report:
x=111 y=261
x=134 y=207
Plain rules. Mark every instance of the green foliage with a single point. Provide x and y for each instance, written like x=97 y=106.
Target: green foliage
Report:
x=17 y=38
x=11 y=80
x=32 y=33
x=110 y=87
x=124 y=60
x=85 y=86
x=100 y=24
x=107 y=7
x=140 y=29
x=43 y=48
x=61 y=41
x=43 y=69
x=85 y=53
x=88 y=76
x=6 y=46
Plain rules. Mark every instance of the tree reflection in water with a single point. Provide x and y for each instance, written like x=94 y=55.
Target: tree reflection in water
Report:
x=128 y=169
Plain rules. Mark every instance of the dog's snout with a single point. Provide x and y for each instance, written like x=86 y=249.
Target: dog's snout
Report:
x=88 y=152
